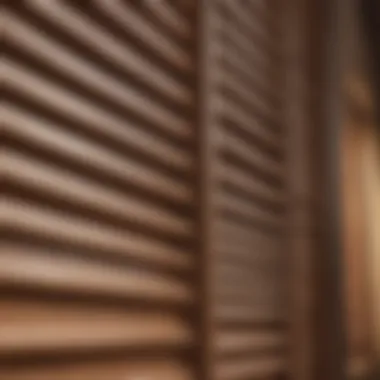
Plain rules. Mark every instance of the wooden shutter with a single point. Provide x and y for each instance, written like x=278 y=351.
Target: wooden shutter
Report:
x=246 y=188
x=98 y=157
x=128 y=160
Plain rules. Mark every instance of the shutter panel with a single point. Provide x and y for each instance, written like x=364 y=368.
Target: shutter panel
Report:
x=103 y=183
x=247 y=191
x=98 y=163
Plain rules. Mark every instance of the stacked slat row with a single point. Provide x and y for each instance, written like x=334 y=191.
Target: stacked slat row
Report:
x=98 y=160
x=250 y=205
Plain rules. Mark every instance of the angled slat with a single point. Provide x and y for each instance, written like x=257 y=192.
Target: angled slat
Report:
x=238 y=66
x=47 y=269
x=88 y=234
x=134 y=22
x=247 y=211
x=252 y=24
x=171 y=18
x=95 y=120
x=243 y=314
x=44 y=48
x=249 y=368
x=42 y=178
x=252 y=155
x=37 y=131
x=84 y=73
x=245 y=341
x=102 y=41
x=32 y=327
x=239 y=178
x=249 y=125
x=243 y=44
x=257 y=102
x=105 y=369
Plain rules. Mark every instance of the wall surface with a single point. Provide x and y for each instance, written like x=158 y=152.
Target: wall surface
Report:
x=371 y=172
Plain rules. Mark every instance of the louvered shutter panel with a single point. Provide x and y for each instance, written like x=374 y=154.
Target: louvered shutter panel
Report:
x=247 y=189
x=98 y=160
x=142 y=149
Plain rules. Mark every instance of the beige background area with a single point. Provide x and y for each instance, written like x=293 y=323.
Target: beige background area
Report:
x=371 y=173
x=361 y=228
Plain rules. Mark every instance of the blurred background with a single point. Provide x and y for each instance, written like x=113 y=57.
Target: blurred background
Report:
x=191 y=190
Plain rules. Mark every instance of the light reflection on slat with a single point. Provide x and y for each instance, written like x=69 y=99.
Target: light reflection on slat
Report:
x=58 y=226
x=31 y=129
x=46 y=269
x=32 y=326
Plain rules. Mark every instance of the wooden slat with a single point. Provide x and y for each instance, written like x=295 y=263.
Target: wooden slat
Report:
x=250 y=368
x=243 y=252
x=39 y=132
x=247 y=210
x=24 y=81
x=251 y=188
x=237 y=67
x=228 y=231
x=115 y=369
x=236 y=341
x=40 y=177
x=134 y=22
x=123 y=96
x=32 y=326
x=28 y=219
x=245 y=317
x=258 y=271
x=242 y=249
x=252 y=23
x=237 y=255
x=249 y=125
x=259 y=285
x=242 y=45
x=242 y=314
x=247 y=97
x=173 y=20
x=251 y=155
x=48 y=269
x=103 y=42
x=249 y=225
x=35 y=42
x=245 y=294
x=251 y=185
x=251 y=296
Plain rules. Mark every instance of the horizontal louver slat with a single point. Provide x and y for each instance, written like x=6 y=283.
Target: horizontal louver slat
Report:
x=39 y=177
x=98 y=38
x=248 y=368
x=28 y=327
x=32 y=130
x=115 y=369
x=48 y=269
x=24 y=81
x=232 y=342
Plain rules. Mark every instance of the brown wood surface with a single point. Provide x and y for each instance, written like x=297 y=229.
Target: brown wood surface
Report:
x=147 y=181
